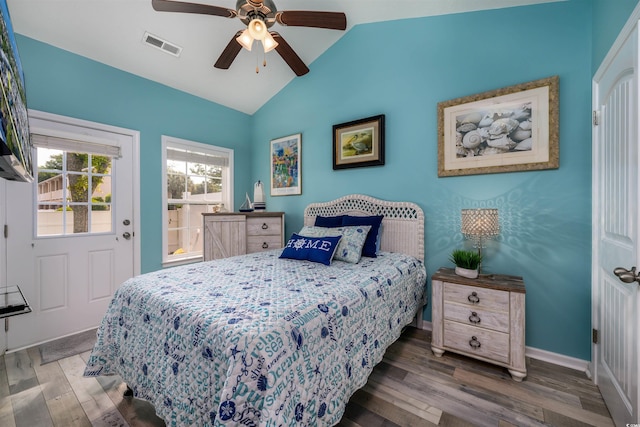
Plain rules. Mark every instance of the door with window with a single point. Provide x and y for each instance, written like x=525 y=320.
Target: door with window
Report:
x=616 y=235
x=71 y=239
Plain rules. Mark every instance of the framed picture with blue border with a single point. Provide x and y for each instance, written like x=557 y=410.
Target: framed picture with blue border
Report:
x=286 y=179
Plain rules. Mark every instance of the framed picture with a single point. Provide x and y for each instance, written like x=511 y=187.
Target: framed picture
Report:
x=359 y=143
x=285 y=166
x=504 y=130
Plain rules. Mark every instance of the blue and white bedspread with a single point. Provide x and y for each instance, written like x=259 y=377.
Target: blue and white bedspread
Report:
x=256 y=340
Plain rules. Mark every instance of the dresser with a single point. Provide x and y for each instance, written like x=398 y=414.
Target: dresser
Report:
x=483 y=318
x=239 y=233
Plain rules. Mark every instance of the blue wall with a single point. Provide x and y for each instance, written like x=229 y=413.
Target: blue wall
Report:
x=63 y=83
x=545 y=215
x=609 y=16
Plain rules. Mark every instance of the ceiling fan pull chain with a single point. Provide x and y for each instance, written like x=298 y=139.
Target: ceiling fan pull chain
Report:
x=257 y=67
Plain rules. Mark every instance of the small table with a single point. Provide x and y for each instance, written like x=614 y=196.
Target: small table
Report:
x=13 y=302
x=481 y=318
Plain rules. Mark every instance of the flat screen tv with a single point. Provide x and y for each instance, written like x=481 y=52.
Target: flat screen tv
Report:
x=15 y=143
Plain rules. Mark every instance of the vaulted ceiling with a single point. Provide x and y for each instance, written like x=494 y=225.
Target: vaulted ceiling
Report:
x=112 y=32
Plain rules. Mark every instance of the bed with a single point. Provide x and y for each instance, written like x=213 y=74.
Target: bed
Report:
x=263 y=340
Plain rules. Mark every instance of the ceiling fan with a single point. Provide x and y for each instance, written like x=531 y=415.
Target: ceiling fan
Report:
x=259 y=16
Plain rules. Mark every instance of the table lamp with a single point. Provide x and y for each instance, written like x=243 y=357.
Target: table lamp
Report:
x=479 y=224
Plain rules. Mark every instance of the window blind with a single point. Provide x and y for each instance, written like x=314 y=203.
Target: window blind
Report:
x=181 y=155
x=76 y=144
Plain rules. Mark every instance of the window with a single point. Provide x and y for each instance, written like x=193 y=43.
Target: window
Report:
x=197 y=178
x=73 y=186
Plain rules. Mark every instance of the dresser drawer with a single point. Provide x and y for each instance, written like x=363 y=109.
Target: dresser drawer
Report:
x=491 y=345
x=264 y=226
x=477 y=316
x=486 y=298
x=263 y=243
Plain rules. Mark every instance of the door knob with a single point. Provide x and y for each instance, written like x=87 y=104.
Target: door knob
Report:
x=627 y=276
x=126 y=222
x=126 y=235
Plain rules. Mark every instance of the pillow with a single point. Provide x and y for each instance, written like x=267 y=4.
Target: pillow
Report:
x=319 y=250
x=329 y=221
x=373 y=239
x=353 y=238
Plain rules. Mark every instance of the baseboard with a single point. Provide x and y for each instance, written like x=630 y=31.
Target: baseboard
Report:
x=545 y=356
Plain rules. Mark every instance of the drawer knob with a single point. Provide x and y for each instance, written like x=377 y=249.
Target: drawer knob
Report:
x=473 y=298
x=474 y=318
x=264 y=226
x=265 y=245
x=474 y=343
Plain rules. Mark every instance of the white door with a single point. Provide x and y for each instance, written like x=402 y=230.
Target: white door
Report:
x=616 y=219
x=70 y=252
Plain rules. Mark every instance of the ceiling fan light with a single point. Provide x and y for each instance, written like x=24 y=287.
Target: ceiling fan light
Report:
x=257 y=29
x=269 y=43
x=245 y=40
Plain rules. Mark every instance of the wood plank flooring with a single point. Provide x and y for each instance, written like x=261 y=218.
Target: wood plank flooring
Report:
x=410 y=387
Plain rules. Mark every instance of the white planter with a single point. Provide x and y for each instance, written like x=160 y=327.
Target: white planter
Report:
x=464 y=272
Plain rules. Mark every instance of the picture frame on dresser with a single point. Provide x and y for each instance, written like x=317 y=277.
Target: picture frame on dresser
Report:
x=511 y=129
x=286 y=174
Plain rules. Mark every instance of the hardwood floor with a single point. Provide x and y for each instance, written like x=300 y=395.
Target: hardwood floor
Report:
x=410 y=387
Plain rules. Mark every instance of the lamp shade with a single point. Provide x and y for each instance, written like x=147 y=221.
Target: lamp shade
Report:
x=257 y=29
x=480 y=223
x=245 y=40
x=269 y=43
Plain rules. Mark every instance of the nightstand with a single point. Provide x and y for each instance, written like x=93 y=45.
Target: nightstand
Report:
x=481 y=318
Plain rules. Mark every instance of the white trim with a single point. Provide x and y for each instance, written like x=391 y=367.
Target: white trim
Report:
x=615 y=47
x=228 y=189
x=558 y=359
x=135 y=152
x=545 y=356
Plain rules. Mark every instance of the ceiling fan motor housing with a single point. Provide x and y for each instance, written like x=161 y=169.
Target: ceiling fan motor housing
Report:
x=249 y=10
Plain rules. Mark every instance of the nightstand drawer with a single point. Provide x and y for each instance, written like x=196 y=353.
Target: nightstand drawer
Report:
x=477 y=341
x=486 y=298
x=477 y=316
x=268 y=226
x=263 y=243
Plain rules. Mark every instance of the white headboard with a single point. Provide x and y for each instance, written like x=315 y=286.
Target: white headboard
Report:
x=402 y=226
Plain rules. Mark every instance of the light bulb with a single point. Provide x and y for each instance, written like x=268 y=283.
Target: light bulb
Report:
x=245 y=40
x=269 y=43
x=257 y=29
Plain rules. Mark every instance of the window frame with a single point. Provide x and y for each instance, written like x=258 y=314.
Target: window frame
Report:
x=227 y=194
x=67 y=142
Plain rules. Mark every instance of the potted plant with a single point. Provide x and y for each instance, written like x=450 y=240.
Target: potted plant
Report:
x=467 y=262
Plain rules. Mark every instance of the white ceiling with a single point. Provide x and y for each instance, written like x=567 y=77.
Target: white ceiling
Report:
x=111 y=32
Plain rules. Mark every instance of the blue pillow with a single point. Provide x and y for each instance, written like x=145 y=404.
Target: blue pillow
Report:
x=353 y=238
x=320 y=249
x=328 y=221
x=371 y=244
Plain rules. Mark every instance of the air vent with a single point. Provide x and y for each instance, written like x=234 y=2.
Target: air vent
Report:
x=163 y=45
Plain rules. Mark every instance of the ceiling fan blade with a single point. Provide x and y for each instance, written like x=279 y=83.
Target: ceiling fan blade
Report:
x=229 y=53
x=184 y=7
x=309 y=18
x=289 y=56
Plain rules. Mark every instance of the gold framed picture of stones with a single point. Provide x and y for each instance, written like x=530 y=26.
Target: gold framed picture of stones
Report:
x=505 y=130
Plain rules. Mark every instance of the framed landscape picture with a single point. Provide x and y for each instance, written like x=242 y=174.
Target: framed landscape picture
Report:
x=286 y=179
x=359 y=143
x=504 y=130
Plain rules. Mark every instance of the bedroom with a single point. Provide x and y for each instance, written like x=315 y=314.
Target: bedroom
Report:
x=546 y=234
